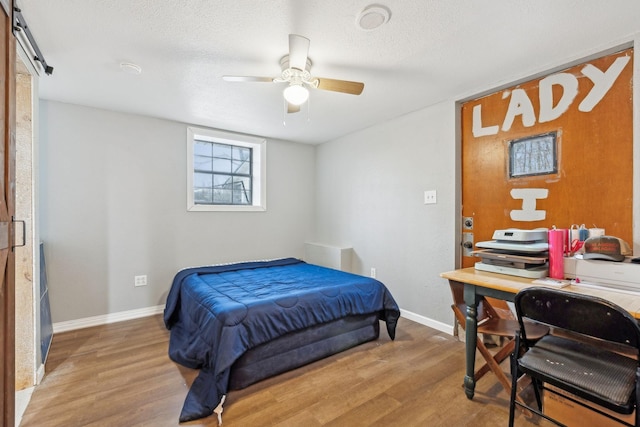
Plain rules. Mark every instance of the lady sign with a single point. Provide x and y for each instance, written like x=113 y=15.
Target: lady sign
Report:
x=520 y=104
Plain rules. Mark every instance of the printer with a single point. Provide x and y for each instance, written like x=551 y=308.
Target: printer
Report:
x=515 y=252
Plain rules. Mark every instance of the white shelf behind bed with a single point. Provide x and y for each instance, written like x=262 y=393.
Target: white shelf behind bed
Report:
x=328 y=256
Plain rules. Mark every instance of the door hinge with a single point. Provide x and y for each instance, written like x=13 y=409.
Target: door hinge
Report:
x=24 y=233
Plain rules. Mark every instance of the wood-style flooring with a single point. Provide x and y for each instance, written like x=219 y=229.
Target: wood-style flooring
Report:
x=120 y=375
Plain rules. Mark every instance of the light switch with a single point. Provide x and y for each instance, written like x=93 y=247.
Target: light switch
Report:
x=430 y=197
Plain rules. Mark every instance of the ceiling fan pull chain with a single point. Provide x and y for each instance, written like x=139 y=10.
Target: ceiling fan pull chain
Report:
x=284 y=112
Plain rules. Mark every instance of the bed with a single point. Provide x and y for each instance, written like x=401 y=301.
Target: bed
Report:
x=241 y=323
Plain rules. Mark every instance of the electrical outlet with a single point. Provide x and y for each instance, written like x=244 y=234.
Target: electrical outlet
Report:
x=373 y=272
x=140 y=280
x=430 y=197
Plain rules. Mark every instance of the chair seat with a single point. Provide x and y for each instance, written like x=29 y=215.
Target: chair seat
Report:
x=503 y=327
x=584 y=370
x=499 y=327
x=509 y=328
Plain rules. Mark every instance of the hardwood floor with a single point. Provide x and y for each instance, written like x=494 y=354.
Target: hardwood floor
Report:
x=120 y=375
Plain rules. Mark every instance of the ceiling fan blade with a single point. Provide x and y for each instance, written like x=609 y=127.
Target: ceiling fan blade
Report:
x=292 y=108
x=344 y=86
x=247 y=79
x=298 y=51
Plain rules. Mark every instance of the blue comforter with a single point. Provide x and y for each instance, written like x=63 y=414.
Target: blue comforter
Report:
x=217 y=313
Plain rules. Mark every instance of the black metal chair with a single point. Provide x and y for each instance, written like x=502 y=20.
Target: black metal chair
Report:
x=591 y=352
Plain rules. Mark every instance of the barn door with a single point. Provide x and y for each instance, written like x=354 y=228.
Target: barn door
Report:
x=556 y=150
x=7 y=195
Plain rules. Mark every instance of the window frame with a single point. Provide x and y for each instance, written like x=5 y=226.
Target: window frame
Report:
x=258 y=168
x=536 y=141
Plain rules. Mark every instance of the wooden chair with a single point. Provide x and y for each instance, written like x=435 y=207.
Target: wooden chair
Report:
x=591 y=336
x=491 y=323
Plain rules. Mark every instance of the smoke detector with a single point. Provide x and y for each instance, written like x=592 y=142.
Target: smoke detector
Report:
x=372 y=17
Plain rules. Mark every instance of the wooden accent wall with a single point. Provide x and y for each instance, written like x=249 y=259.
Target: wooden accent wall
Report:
x=593 y=183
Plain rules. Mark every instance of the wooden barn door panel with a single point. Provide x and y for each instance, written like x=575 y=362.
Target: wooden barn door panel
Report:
x=7 y=189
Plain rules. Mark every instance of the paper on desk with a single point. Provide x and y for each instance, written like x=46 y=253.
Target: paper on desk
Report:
x=552 y=282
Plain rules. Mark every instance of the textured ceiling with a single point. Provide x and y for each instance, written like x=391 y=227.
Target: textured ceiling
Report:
x=429 y=51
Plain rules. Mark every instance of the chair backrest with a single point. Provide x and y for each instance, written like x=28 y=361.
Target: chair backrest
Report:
x=584 y=314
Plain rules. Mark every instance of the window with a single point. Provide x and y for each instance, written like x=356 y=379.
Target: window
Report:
x=225 y=171
x=533 y=155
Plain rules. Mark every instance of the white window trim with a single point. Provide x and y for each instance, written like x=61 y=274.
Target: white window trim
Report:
x=259 y=172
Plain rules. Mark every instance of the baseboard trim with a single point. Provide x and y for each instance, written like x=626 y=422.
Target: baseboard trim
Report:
x=39 y=374
x=121 y=316
x=442 y=327
x=22 y=399
x=104 y=319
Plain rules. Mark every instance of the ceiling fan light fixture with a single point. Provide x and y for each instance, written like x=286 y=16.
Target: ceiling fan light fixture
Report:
x=296 y=94
x=372 y=17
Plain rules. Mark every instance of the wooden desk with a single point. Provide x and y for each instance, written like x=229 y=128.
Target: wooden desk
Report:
x=478 y=284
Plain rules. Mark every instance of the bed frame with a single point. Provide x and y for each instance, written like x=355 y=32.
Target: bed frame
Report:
x=302 y=347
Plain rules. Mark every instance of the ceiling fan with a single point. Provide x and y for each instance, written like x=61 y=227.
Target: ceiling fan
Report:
x=296 y=68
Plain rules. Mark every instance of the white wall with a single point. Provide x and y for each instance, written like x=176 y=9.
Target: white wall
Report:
x=370 y=187
x=113 y=205
x=370 y=196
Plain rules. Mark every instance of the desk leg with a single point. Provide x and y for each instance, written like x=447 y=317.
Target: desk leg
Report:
x=471 y=337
